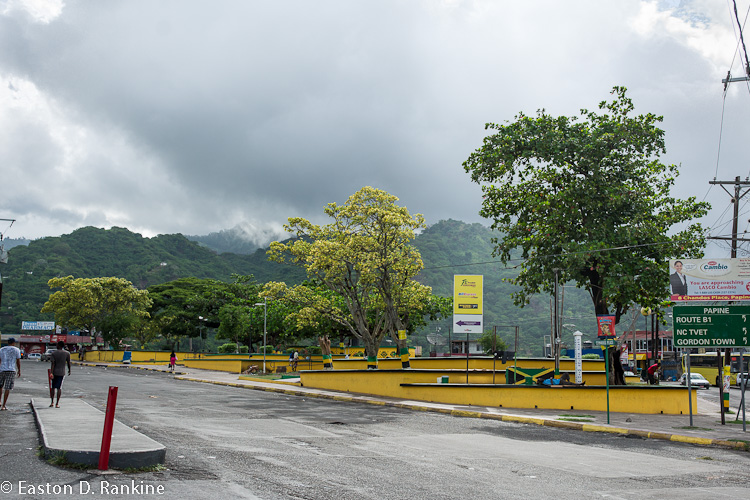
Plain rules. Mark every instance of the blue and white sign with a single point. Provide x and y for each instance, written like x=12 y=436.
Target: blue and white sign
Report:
x=37 y=325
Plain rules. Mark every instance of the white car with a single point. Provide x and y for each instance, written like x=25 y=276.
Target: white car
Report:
x=746 y=376
x=696 y=380
x=34 y=355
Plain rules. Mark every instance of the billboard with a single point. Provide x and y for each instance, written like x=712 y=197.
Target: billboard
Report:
x=709 y=279
x=467 y=303
x=37 y=325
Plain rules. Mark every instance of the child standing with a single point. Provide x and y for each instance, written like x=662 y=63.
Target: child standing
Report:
x=172 y=361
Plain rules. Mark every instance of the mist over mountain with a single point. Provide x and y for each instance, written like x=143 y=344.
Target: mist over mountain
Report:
x=242 y=239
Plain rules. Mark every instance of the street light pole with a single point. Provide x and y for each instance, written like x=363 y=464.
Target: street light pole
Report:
x=200 y=330
x=265 y=322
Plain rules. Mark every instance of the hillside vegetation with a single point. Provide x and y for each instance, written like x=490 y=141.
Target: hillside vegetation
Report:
x=448 y=247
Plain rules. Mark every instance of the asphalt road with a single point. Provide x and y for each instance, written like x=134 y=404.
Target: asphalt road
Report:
x=227 y=443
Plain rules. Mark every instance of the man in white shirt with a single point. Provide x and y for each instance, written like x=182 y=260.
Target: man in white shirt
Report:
x=10 y=363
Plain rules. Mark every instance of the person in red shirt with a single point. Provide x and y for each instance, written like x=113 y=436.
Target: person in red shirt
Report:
x=653 y=371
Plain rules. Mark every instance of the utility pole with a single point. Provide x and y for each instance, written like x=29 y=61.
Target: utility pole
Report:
x=736 y=197
x=556 y=327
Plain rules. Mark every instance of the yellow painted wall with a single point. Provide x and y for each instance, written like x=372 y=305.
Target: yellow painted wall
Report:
x=237 y=363
x=422 y=385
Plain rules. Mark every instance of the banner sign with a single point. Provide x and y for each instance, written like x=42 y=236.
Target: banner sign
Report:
x=709 y=279
x=606 y=323
x=37 y=325
x=467 y=303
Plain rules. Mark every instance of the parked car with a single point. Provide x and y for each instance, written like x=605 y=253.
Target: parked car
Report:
x=746 y=376
x=696 y=380
x=48 y=354
x=34 y=355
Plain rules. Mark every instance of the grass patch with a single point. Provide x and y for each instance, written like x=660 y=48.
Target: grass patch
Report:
x=693 y=428
x=745 y=443
x=737 y=422
x=570 y=419
x=61 y=460
x=576 y=416
x=705 y=458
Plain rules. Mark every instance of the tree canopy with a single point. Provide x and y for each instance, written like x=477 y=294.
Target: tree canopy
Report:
x=365 y=257
x=111 y=306
x=590 y=198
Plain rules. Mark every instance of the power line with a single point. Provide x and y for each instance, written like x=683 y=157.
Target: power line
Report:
x=742 y=38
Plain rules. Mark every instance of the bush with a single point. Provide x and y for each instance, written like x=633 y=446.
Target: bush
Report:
x=229 y=348
x=314 y=349
x=244 y=349
x=268 y=349
x=590 y=356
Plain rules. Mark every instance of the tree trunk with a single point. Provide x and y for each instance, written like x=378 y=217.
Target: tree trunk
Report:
x=616 y=371
x=371 y=351
x=325 y=348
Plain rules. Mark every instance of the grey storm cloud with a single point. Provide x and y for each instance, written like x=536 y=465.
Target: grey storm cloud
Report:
x=192 y=117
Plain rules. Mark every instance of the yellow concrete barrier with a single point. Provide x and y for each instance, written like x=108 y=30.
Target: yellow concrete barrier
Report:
x=421 y=385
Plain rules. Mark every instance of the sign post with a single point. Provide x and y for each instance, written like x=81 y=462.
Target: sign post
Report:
x=720 y=327
x=606 y=343
x=468 y=316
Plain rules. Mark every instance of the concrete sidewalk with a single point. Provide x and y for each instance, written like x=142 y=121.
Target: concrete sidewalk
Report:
x=128 y=448
x=706 y=429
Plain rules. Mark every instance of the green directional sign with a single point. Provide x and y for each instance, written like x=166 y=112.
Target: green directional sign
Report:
x=711 y=326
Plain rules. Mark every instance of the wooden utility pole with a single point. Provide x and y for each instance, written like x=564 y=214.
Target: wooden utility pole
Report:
x=736 y=197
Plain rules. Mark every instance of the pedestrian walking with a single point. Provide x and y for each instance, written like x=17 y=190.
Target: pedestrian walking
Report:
x=172 y=361
x=10 y=364
x=59 y=359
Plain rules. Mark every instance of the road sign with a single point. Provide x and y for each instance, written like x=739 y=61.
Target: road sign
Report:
x=467 y=323
x=711 y=326
x=606 y=342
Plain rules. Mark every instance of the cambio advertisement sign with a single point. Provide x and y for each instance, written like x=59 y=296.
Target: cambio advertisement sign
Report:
x=467 y=303
x=709 y=279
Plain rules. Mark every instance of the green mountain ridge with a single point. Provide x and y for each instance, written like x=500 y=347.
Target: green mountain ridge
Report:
x=448 y=247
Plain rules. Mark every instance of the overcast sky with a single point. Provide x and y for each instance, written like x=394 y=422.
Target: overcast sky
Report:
x=196 y=116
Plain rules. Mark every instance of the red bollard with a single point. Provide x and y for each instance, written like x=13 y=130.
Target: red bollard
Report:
x=109 y=420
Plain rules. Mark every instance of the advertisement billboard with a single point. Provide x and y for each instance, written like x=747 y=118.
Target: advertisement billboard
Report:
x=606 y=326
x=467 y=303
x=709 y=279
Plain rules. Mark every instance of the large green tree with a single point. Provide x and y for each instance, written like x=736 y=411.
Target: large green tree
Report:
x=365 y=257
x=589 y=197
x=174 y=306
x=112 y=307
